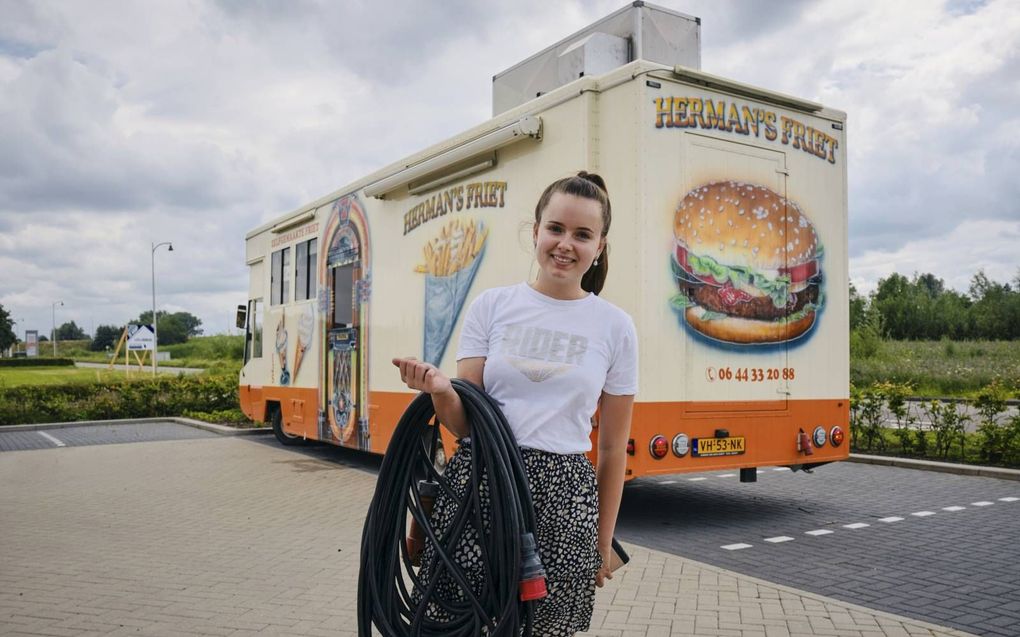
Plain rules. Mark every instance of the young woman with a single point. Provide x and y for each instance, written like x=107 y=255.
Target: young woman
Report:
x=550 y=352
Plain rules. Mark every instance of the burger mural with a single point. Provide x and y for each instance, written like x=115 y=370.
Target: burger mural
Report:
x=747 y=263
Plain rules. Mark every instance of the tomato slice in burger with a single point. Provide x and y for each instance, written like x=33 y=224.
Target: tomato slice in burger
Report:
x=802 y=272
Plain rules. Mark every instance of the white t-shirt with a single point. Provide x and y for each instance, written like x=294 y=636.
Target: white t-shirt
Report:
x=548 y=361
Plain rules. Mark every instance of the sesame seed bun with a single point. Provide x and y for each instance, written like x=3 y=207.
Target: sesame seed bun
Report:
x=741 y=224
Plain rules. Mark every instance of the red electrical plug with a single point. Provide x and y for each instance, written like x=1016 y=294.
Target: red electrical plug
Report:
x=532 y=572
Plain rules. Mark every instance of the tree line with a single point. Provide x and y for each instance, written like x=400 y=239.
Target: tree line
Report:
x=922 y=308
x=172 y=328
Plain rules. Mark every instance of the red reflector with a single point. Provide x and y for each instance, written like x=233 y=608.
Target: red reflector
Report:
x=836 y=436
x=659 y=446
x=630 y=447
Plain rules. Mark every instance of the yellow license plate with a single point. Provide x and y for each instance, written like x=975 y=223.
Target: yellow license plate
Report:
x=718 y=446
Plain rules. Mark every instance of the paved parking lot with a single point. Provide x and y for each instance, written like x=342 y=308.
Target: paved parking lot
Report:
x=934 y=546
x=236 y=536
x=47 y=438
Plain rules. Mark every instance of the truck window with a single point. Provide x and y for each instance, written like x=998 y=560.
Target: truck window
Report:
x=254 y=329
x=343 y=295
x=278 y=279
x=305 y=255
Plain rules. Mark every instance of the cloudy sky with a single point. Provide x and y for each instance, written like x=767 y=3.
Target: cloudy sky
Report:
x=192 y=121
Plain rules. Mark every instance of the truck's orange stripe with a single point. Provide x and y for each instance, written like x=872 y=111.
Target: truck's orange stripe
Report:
x=770 y=432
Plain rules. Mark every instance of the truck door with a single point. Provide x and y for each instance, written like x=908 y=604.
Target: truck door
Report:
x=718 y=370
x=345 y=347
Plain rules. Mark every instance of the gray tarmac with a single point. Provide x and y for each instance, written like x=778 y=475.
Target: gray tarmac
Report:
x=234 y=535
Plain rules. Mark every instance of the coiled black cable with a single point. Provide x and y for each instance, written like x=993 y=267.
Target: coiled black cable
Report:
x=391 y=594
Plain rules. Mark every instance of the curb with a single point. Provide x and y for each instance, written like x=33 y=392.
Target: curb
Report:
x=1000 y=473
x=222 y=430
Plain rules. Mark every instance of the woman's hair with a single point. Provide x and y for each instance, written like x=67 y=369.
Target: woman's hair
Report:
x=589 y=186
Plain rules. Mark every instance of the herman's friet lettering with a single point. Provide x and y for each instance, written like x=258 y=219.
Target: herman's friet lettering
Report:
x=741 y=119
x=479 y=194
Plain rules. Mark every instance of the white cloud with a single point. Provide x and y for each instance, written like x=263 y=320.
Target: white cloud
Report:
x=196 y=121
x=988 y=245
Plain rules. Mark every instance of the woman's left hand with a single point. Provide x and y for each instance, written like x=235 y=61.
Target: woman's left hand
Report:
x=604 y=573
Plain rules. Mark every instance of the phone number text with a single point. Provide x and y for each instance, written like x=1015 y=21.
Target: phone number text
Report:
x=749 y=374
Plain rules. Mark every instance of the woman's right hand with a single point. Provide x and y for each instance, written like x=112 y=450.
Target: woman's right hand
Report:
x=422 y=376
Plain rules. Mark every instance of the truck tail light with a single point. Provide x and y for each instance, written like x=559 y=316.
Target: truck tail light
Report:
x=836 y=436
x=659 y=447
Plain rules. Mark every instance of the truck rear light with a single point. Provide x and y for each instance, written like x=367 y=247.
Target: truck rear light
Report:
x=630 y=447
x=819 y=436
x=681 y=445
x=836 y=436
x=659 y=447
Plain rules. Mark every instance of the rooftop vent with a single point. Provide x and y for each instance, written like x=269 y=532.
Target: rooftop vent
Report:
x=637 y=31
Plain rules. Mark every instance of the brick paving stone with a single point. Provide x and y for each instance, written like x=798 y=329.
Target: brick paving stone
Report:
x=227 y=536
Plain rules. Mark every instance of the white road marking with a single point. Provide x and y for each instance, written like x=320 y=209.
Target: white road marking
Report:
x=60 y=443
x=819 y=532
x=697 y=479
x=668 y=482
x=726 y=475
x=761 y=471
x=781 y=468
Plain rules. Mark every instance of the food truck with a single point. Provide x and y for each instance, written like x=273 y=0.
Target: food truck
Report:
x=728 y=249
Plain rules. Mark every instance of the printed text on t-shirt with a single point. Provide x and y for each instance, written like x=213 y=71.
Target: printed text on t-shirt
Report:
x=528 y=341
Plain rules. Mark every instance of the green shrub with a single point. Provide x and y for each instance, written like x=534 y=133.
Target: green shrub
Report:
x=162 y=396
x=948 y=423
x=36 y=362
x=866 y=419
x=223 y=417
x=865 y=342
x=997 y=441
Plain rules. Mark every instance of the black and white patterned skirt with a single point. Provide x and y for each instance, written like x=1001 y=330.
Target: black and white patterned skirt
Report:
x=566 y=509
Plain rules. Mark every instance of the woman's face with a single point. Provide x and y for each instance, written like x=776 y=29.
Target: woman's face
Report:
x=568 y=239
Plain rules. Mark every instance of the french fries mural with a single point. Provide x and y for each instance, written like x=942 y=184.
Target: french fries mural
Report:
x=452 y=258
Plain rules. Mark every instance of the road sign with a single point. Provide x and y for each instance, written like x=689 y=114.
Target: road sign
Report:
x=141 y=337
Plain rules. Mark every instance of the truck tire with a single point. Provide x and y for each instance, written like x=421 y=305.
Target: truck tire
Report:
x=285 y=438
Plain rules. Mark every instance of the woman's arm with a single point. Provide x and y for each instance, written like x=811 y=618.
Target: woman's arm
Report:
x=614 y=430
x=428 y=378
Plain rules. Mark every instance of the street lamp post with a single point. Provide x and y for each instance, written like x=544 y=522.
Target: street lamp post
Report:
x=155 y=332
x=53 y=311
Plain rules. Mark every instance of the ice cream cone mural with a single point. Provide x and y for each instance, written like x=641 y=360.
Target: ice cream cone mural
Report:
x=281 y=348
x=306 y=325
x=451 y=262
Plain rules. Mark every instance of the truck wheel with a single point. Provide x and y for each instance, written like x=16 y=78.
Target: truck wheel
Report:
x=281 y=435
